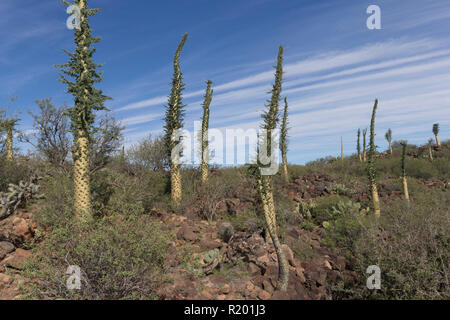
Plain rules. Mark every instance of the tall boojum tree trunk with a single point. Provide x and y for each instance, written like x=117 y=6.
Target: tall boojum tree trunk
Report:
x=358 y=145
x=87 y=100
x=371 y=164
x=9 y=144
x=364 y=145
x=404 y=180
x=265 y=181
x=174 y=123
x=204 y=134
x=283 y=142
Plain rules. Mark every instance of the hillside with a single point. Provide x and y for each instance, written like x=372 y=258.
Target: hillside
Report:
x=214 y=246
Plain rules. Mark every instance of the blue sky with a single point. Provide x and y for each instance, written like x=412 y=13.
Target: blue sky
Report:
x=335 y=67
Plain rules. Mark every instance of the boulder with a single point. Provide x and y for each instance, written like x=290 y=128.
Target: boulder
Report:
x=5 y=248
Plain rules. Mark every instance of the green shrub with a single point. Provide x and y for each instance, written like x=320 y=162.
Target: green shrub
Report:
x=119 y=258
x=56 y=209
x=323 y=208
x=410 y=243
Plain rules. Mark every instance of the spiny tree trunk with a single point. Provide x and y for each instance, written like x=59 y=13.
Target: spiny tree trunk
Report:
x=174 y=123
x=430 y=150
x=371 y=164
x=87 y=99
x=364 y=145
x=175 y=185
x=438 y=141
x=9 y=144
x=283 y=142
x=269 y=214
x=204 y=133
x=358 y=145
x=82 y=201
x=404 y=181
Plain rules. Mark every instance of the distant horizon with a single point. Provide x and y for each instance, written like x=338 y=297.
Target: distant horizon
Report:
x=335 y=66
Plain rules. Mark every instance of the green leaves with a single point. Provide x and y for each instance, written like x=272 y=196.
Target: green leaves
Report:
x=80 y=74
x=175 y=107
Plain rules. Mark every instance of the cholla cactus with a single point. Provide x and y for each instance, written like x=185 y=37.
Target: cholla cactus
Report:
x=17 y=194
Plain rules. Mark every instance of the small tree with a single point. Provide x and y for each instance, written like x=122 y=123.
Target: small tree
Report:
x=106 y=141
x=404 y=181
x=364 y=145
x=50 y=137
x=204 y=134
x=174 y=122
x=149 y=153
x=371 y=172
x=388 y=137
x=87 y=99
x=436 y=134
x=430 y=149
x=358 y=144
x=283 y=140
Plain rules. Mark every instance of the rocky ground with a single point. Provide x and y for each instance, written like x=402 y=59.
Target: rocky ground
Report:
x=223 y=264
x=15 y=232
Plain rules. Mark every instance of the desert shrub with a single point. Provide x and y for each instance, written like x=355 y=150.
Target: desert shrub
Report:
x=149 y=153
x=13 y=172
x=410 y=243
x=442 y=166
x=323 y=208
x=56 y=209
x=119 y=258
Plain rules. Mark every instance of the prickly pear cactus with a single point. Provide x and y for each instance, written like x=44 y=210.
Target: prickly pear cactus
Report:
x=17 y=194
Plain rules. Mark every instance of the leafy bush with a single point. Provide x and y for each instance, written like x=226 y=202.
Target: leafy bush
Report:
x=410 y=243
x=119 y=258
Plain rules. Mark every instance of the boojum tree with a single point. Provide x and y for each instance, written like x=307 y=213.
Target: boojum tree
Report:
x=204 y=133
x=270 y=117
x=283 y=140
x=173 y=126
x=371 y=172
x=388 y=137
x=80 y=75
x=436 y=134
x=342 y=151
x=358 y=145
x=8 y=126
x=404 y=180
x=364 y=132
x=430 y=149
